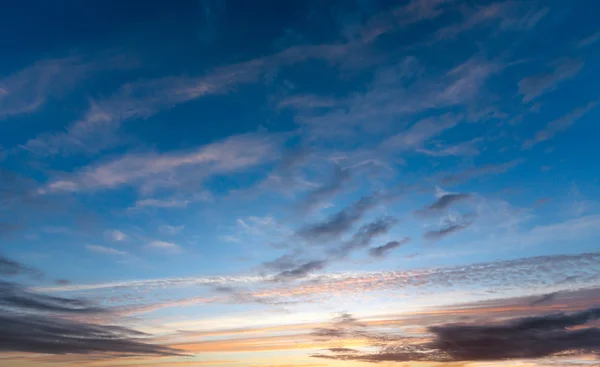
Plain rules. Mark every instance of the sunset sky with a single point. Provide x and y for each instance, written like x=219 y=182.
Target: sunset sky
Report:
x=305 y=183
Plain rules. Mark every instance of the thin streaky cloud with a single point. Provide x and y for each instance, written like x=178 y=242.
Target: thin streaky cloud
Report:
x=534 y=86
x=105 y=250
x=559 y=125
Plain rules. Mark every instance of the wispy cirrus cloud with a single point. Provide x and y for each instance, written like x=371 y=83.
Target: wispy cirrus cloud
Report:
x=561 y=124
x=443 y=202
x=26 y=90
x=534 y=86
x=117 y=235
x=105 y=250
x=144 y=98
x=589 y=40
x=153 y=170
x=480 y=171
x=165 y=246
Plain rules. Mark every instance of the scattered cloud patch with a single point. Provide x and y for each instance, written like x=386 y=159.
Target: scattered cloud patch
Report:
x=165 y=246
x=534 y=86
x=105 y=250
x=383 y=250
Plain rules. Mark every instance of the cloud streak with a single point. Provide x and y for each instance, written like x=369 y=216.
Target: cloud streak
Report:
x=559 y=125
x=522 y=338
x=383 y=250
x=157 y=170
x=534 y=86
x=38 y=323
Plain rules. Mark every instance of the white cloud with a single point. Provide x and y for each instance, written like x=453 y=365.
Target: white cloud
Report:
x=158 y=203
x=165 y=246
x=28 y=89
x=169 y=229
x=559 y=125
x=105 y=250
x=534 y=86
x=117 y=235
x=153 y=170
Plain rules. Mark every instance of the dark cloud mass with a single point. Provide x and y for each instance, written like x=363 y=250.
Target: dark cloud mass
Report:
x=522 y=338
x=37 y=323
x=383 y=250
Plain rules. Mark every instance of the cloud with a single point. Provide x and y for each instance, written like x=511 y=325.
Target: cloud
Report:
x=443 y=202
x=589 y=40
x=451 y=226
x=484 y=170
x=153 y=170
x=546 y=274
x=423 y=130
x=534 y=86
x=13 y=296
x=559 y=125
x=543 y=299
x=28 y=89
x=383 y=250
x=339 y=223
x=473 y=18
x=397 y=92
x=328 y=190
x=158 y=203
x=39 y=323
x=464 y=149
x=365 y=234
x=522 y=338
x=105 y=250
x=117 y=235
x=532 y=337
x=165 y=246
x=302 y=270
x=169 y=229
x=10 y=267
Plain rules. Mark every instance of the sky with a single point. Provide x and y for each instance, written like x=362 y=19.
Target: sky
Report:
x=300 y=183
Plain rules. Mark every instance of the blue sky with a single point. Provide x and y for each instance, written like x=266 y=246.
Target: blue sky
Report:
x=189 y=161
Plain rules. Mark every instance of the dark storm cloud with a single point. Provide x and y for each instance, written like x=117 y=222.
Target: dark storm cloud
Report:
x=38 y=323
x=521 y=338
x=339 y=223
x=444 y=202
x=383 y=250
